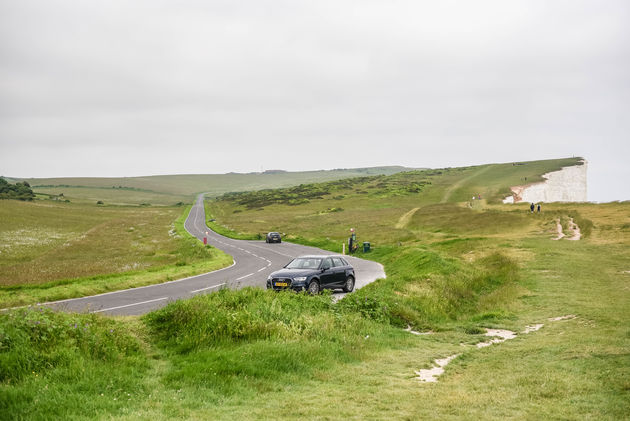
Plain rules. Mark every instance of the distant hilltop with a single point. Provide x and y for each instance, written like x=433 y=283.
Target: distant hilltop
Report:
x=566 y=185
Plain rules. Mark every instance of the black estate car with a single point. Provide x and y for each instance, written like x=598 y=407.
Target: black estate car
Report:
x=273 y=237
x=314 y=273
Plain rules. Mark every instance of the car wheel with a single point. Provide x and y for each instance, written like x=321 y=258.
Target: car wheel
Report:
x=313 y=288
x=349 y=285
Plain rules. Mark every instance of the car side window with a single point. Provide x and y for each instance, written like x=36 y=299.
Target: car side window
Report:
x=327 y=264
x=337 y=262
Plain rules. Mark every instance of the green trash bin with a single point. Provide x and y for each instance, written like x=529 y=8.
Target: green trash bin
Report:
x=366 y=246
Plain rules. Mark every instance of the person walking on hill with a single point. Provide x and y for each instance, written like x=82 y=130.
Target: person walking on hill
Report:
x=531 y=208
x=538 y=208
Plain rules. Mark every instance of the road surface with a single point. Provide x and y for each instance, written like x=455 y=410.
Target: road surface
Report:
x=253 y=262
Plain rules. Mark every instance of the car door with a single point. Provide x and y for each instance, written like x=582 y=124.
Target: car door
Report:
x=340 y=271
x=327 y=275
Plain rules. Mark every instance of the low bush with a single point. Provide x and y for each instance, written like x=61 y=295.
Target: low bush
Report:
x=428 y=290
x=231 y=316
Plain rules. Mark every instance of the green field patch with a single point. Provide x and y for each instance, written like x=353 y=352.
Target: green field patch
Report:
x=59 y=365
x=95 y=252
x=462 y=220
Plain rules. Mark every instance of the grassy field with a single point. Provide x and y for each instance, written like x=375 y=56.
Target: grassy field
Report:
x=171 y=189
x=52 y=251
x=453 y=269
x=109 y=196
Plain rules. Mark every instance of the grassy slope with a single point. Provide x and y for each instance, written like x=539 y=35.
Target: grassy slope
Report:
x=170 y=189
x=52 y=251
x=374 y=206
x=572 y=369
x=494 y=180
x=256 y=355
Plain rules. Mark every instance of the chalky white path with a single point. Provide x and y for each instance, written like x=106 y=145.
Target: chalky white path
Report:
x=431 y=375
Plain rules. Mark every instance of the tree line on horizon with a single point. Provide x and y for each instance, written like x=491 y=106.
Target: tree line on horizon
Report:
x=18 y=191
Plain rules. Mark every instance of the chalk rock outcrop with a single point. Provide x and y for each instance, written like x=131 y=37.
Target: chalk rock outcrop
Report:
x=566 y=185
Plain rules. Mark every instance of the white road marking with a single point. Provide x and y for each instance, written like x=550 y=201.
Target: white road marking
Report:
x=261 y=269
x=204 y=289
x=130 y=305
x=271 y=250
x=134 y=289
x=246 y=276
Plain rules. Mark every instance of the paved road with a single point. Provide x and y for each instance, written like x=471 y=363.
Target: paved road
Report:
x=253 y=262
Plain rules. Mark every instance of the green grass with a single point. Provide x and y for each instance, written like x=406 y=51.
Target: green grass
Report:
x=374 y=206
x=254 y=354
x=68 y=366
x=159 y=187
x=57 y=251
x=110 y=196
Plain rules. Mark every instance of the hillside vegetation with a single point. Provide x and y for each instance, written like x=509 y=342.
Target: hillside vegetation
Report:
x=374 y=206
x=455 y=268
x=18 y=191
x=171 y=189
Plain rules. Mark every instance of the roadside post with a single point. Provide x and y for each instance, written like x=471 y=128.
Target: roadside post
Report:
x=205 y=239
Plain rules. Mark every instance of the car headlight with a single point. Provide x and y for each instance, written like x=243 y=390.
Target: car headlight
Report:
x=300 y=279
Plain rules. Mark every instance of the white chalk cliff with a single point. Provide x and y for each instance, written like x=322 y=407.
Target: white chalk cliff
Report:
x=566 y=185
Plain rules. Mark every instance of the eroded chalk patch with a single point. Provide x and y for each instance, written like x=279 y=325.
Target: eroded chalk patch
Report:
x=413 y=332
x=533 y=328
x=567 y=317
x=499 y=335
x=430 y=375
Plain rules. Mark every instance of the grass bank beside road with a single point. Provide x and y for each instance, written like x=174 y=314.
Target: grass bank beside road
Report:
x=53 y=251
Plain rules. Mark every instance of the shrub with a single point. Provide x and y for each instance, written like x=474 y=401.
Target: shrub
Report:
x=18 y=191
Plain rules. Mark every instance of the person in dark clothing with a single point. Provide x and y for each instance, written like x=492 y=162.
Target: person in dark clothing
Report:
x=531 y=208
x=538 y=208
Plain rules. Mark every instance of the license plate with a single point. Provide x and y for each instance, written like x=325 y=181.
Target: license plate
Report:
x=282 y=284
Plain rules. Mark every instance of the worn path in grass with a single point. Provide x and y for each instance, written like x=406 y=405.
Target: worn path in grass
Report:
x=460 y=183
x=253 y=262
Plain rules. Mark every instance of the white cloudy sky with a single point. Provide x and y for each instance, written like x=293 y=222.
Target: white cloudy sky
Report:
x=122 y=88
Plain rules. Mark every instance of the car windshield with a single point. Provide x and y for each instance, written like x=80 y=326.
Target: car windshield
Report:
x=304 y=263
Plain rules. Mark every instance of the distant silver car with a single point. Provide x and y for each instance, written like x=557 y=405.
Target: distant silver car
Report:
x=273 y=237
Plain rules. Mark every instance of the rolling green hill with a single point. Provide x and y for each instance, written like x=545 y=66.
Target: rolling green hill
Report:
x=169 y=189
x=455 y=269
x=381 y=208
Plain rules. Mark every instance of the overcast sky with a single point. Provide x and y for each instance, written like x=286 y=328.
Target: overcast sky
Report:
x=124 y=88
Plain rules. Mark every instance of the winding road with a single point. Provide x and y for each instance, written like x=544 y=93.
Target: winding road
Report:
x=253 y=262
